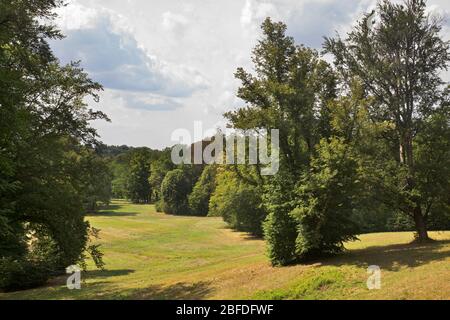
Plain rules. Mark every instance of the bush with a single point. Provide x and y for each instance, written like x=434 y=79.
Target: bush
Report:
x=175 y=188
x=159 y=206
x=375 y=218
x=280 y=234
x=325 y=207
x=280 y=228
x=203 y=189
x=316 y=215
x=22 y=274
x=239 y=204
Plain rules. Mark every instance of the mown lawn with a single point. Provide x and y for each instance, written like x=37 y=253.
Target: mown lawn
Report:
x=150 y=255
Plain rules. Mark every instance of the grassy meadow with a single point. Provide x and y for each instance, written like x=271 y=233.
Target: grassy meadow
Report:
x=151 y=255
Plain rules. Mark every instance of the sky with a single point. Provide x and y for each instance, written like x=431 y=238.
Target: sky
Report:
x=166 y=64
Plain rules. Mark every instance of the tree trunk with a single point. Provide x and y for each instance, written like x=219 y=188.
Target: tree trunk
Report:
x=421 y=227
x=406 y=158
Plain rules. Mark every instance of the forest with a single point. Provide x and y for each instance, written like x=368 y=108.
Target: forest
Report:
x=364 y=145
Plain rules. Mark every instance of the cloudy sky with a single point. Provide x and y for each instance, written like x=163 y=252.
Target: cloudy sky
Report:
x=167 y=63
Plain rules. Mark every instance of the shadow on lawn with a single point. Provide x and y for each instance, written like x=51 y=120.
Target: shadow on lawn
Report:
x=394 y=257
x=111 y=211
x=91 y=274
x=178 y=291
x=105 y=290
x=107 y=273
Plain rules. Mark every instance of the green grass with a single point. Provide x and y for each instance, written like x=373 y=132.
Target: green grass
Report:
x=150 y=255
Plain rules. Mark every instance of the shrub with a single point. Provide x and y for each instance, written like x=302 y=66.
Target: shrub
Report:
x=280 y=228
x=22 y=274
x=159 y=206
x=175 y=188
x=314 y=216
x=280 y=234
x=325 y=205
x=239 y=204
x=203 y=189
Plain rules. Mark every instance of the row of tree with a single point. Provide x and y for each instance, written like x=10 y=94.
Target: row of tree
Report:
x=369 y=132
x=143 y=175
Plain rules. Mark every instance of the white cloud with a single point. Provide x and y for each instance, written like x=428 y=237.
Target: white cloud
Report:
x=168 y=63
x=255 y=11
x=174 y=22
x=112 y=56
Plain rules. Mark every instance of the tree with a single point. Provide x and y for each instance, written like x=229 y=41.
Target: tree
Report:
x=238 y=203
x=289 y=91
x=203 y=189
x=158 y=170
x=327 y=198
x=95 y=180
x=44 y=127
x=138 y=186
x=175 y=189
x=290 y=83
x=399 y=62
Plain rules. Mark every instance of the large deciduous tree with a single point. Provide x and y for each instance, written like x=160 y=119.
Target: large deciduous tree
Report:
x=289 y=91
x=44 y=134
x=399 y=60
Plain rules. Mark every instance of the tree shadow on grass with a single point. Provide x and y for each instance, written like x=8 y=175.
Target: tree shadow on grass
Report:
x=107 y=273
x=106 y=290
x=90 y=274
x=110 y=212
x=394 y=257
x=178 y=291
x=246 y=235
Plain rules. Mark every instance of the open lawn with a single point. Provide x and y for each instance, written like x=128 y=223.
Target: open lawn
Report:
x=151 y=255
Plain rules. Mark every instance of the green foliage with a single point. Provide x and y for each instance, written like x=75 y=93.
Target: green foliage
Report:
x=239 y=203
x=96 y=180
x=119 y=170
x=290 y=84
x=373 y=219
x=93 y=250
x=327 y=197
x=158 y=170
x=138 y=186
x=46 y=142
x=175 y=188
x=400 y=62
x=22 y=274
x=159 y=206
x=369 y=150
x=280 y=231
x=203 y=189
x=118 y=159
x=137 y=172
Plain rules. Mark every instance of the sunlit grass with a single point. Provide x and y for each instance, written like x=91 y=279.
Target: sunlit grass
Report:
x=151 y=255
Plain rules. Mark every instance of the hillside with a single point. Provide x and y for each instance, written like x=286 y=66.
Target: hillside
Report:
x=150 y=255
